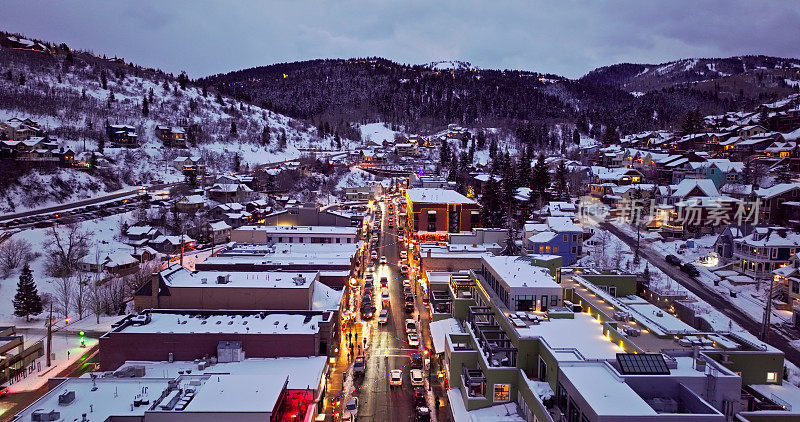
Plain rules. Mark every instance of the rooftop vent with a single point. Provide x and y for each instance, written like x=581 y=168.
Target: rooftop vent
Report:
x=66 y=398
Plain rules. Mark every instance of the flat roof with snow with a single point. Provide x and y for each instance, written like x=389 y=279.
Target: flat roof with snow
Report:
x=579 y=337
x=177 y=276
x=515 y=271
x=227 y=322
x=437 y=196
x=279 y=230
x=604 y=391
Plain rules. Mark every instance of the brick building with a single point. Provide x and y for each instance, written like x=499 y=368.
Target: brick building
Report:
x=434 y=212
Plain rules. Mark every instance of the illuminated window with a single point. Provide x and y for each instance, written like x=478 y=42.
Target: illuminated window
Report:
x=502 y=392
x=771 y=377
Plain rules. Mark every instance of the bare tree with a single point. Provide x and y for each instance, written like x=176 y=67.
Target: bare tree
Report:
x=68 y=244
x=64 y=291
x=81 y=294
x=13 y=253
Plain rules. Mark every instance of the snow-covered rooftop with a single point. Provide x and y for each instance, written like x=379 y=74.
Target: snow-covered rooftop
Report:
x=518 y=272
x=178 y=276
x=604 y=391
x=301 y=230
x=437 y=196
x=439 y=331
x=207 y=322
x=582 y=334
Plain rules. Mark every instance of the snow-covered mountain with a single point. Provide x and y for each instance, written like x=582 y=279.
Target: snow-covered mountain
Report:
x=450 y=65
x=73 y=95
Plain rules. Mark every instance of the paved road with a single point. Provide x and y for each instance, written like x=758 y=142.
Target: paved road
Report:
x=710 y=297
x=16 y=402
x=83 y=202
x=388 y=347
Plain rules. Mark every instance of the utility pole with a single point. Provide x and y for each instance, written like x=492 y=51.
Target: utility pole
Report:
x=767 y=314
x=49 y=333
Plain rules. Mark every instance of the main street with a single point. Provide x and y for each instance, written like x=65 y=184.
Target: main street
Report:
x=387 y=345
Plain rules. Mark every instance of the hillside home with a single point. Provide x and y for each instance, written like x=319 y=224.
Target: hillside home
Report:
x=174 y=136
x=719 y=170
x=780 y=204
x=172 y=244
x=229 y=189
x=765 y=250
x=190 y=203
x=122 y=136
x=16 y=129
x=556 y=236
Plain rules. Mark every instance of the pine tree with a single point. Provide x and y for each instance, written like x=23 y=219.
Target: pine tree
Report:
x=337 y=140
x=444 y=154
x=481 y=140
x=576 y=137
x=182 y=80
x=205 y=91
x=27 y=301
x=111 y=98
x=234 y=131
x=492 y=148
x=165 y=86
x=22 y=79
x=540 y=181
x=145 y=107
x=237 y=162
x=9 y=75
x=104 y=80
x=265 y=136
x=561 y=179
x=220 y=101
x=610 y=136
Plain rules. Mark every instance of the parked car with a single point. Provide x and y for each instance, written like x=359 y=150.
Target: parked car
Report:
x=423 y=414
x=411 y=325
x=409 y=307
x=385 y=296
x=396 y=377
x=352 y=407
x=383 y=316
x=403 y=254
x=690 y=269
x=404 y=269
x=413 y=339
x=672 y=259
x=407 y=283
x=416 y=378
x=383 y=260
x=420 y=396
x=374 y=255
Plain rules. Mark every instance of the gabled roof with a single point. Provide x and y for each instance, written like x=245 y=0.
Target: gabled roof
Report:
x=686 y=186
x=776 y=190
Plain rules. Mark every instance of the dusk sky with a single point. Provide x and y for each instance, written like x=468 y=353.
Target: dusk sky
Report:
x=564 y=37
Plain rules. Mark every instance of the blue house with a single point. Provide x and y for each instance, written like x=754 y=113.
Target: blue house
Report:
x=720 y=170
x=556 y=236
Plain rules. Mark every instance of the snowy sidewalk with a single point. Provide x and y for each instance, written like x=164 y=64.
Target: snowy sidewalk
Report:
x=67 y=350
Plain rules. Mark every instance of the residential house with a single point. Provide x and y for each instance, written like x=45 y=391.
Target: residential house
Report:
x=788 y=277
x=172 y=244
x=190 y=203
x=557 y=236
x=719 y=170
x=140 y=235
x=118 y=262
x=174 y=136
x=16 y=129
x=229 y=189
x=764 y=250
x=751 y=130
x=258 y=209
x=218 y=232
x=232 y=213
x=182 y=162
x=780 y=204
x=122 y=135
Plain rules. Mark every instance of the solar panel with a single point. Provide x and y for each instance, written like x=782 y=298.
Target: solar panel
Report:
x=642 y=363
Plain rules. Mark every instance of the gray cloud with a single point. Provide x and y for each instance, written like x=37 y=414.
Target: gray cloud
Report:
x=567 y=37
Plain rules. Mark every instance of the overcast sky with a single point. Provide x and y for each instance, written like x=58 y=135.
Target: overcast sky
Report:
x=564 y=37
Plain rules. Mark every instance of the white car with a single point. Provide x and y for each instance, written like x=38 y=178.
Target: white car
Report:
x=369 y=277
x=385 y=296
x=383 y=259
x=416 y=378
x=406 y=283
x=413 y=339
x=396 y=377
x=403 y=255
x=411 y=325
x=352 y=407
x=383 y=316
x=374 y=255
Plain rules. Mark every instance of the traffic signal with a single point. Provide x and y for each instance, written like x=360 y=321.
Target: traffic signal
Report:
x=83 y=338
